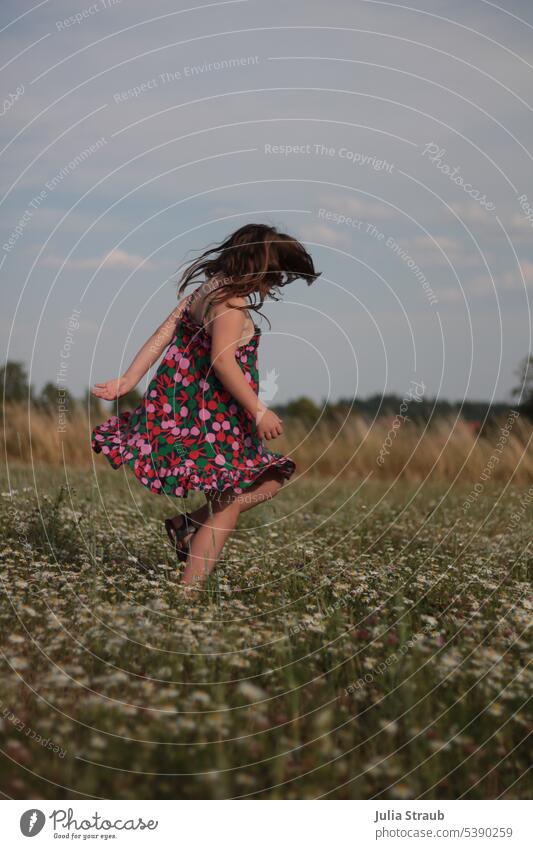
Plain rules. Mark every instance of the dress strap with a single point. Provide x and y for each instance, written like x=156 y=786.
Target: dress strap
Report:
x=200 y=300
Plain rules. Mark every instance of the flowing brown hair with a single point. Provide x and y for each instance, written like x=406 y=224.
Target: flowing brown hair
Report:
x=255 y=261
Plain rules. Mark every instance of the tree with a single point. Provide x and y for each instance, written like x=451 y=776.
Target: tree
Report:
x=14 y=384
x=304 y=409
x=52 y=397
x=524 y=391
x=129 y=401
x=92 y=406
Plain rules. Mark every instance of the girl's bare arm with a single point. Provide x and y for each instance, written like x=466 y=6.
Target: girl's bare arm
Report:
x=145 y=358
x=226 y=327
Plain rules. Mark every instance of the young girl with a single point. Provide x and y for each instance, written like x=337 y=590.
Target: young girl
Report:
x=200 y=425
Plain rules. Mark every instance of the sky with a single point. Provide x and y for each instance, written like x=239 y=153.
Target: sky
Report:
x=393 y=140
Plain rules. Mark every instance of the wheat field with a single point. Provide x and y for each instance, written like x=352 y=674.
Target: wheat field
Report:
x=345 y=448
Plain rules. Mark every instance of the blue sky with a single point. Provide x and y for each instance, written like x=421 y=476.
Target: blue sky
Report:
x=133 y=135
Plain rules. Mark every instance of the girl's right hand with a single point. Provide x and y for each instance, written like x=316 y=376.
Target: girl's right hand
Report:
x=269 y=425
x=112 y=389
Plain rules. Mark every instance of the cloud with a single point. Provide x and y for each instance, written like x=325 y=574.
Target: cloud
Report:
x=519 y=227
x=512 y=280
x=482 y=285
x=450 y=295
x=425 y=250
x=471 y=213
x=357 y=207
x=115 y=260
x=316 y=231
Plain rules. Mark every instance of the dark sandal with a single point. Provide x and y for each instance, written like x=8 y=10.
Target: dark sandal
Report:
x=176 y=536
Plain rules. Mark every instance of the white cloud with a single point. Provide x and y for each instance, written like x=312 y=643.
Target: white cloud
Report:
x=509 y=281
x=471 y=213
x=357 y=207
x=316 y=231
x=116 y=260
x=443 y=251
x=519 y=227
x=512 y=280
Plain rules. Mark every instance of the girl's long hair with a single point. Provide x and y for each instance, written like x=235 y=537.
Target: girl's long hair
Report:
x=256 y=261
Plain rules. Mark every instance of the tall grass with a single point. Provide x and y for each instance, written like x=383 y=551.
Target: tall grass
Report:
x=446 y=449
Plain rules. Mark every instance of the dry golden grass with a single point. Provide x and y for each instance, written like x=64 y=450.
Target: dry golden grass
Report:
x=446 y=450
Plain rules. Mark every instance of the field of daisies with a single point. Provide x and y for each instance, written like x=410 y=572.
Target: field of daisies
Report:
x=366 y=641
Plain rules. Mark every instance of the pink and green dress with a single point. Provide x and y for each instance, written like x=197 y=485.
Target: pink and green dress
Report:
x=188 y=432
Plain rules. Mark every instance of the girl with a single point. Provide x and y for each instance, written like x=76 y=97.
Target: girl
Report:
x=200 y=425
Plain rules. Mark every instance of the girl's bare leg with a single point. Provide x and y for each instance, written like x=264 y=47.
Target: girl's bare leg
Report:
x=209 y=539
x=218 y=519
x=266 y=488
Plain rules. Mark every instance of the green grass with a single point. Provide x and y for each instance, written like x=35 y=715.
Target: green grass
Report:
x=356 y=643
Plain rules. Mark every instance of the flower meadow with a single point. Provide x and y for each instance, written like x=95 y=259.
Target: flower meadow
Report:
x=365 y=640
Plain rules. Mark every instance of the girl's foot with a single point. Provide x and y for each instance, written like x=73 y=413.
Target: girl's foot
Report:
x=180 y=530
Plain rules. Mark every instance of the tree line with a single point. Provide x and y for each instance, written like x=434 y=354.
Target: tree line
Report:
x=15 y=388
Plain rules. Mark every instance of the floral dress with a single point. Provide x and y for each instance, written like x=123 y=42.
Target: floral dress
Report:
x=188 y=432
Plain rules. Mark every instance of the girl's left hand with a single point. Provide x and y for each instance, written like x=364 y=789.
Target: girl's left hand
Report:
x=112 y=389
